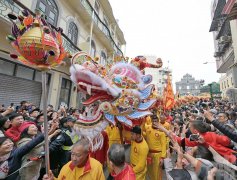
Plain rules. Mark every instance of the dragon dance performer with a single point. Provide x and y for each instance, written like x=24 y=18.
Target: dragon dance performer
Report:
x=138 y=154
x=156 y=141
x=166 y=125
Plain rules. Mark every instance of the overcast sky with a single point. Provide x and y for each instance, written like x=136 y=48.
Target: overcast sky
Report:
x=176 y=31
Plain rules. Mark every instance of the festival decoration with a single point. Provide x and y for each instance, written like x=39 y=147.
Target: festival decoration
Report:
x=169 y=100
x=119 y=94
x=37 y=44
x=141 y=63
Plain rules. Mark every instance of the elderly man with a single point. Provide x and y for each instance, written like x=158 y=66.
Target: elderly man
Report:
x=138 y=154
x=222 y=118
x=120 y=170
x=81 y=166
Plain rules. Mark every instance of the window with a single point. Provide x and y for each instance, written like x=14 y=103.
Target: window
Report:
x=73 y=32
x=188 y=87
x=97 y=10
x=105 y=30
x=103 y=58
x=93 y=49
x=97 y=7
x=24 y=72
x=50 y=9
x=65 y=92
x=7 y=67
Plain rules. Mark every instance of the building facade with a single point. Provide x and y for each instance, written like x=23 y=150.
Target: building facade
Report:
x=159 y=76
x=188 y=85
x=75 y=17
x=224 y=30
x=226 y=82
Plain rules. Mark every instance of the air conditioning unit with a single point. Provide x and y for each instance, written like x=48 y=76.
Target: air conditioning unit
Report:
x=225 y=39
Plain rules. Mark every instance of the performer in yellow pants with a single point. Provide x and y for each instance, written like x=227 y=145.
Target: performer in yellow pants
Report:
x=138 y=154
x=156 y=141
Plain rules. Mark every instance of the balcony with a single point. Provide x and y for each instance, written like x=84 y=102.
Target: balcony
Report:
x=226 y=60
x=8 y=6
x=101 y=28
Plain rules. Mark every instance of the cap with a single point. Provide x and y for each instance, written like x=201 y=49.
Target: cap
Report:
x=136 y=130
x=66 y=119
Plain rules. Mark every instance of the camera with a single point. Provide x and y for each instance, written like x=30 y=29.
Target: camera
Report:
x=194 y=137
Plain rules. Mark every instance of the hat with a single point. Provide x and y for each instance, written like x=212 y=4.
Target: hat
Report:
x=136 y=130
x=66 y=119
x=25 y=125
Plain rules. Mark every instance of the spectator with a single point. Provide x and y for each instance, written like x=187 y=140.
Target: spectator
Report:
x=4 y=125
x=32 y=170
x=16 y=121
x=218 y=142
x=60 y=148
x=227 y=130
x=10 y=157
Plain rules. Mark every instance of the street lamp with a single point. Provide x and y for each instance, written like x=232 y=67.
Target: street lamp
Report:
x=208 y=62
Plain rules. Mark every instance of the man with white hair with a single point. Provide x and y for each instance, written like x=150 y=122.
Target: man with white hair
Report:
x=81 y=165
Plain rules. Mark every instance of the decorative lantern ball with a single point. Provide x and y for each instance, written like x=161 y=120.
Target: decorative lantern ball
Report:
x=39 y=48
x=159 y=61
x=36 y=42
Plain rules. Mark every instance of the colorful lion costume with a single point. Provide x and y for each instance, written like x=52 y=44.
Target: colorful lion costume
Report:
x=119 y=94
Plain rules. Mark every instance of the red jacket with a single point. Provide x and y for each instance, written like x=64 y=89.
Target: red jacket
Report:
x=126 y=174
x=218 y=142
x=13 y=133
x=101 y=154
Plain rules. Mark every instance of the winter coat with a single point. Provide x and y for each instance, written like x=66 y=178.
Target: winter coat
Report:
x=32 y=170
x=58 y=156
x=218 y=142
x=13 y=163
x=226 y=130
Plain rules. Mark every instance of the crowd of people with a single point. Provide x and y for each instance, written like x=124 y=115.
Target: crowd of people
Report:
x=194 y=141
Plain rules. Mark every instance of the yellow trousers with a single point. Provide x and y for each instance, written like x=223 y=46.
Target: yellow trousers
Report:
x=154 y=169
x=141 y=175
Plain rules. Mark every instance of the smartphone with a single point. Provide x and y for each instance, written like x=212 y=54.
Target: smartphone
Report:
x=12 y=104
x=194 y=137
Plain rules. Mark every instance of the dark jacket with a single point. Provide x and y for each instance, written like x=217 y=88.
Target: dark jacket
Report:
x=58 y=156
x=14 y=160
x=226 y=130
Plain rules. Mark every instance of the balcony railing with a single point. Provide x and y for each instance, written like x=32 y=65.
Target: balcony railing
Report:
x=101 y=25
x=8 y=6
